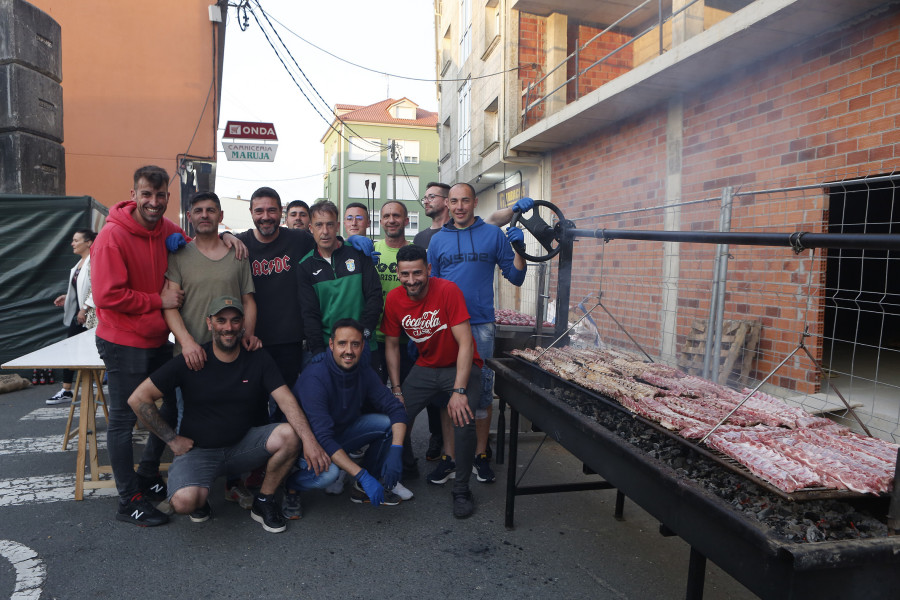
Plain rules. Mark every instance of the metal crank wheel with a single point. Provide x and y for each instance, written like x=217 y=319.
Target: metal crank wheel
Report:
x=543 y=233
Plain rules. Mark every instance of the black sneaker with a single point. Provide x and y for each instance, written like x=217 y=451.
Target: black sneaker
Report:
x=154 y=488
x=140 y=512
x=61 y=397
x=446 y=469
x=482 y=469
x=411 y=470
x=435 y=447
x=268 y=514
x=201 y=514
x=360 y=497
x=463 y=504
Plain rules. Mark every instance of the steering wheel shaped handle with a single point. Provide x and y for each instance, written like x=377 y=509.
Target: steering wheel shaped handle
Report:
x=543 y=233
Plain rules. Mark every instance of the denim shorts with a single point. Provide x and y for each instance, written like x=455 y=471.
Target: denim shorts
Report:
x=200 y=467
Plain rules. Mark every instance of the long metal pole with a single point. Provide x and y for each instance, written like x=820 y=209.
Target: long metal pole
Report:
x=722 y=249
x=799 y=240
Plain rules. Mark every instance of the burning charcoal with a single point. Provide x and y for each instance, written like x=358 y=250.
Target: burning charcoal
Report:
x=764 y=514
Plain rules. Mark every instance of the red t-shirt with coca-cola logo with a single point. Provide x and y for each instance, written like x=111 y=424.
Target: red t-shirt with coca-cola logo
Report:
x=428 y=321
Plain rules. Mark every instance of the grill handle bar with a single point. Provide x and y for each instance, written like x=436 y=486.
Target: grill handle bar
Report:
x=753 y=391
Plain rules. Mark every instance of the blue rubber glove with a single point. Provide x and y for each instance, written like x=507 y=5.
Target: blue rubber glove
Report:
x=523 y=205
x=317 y=358
x=371 y=487
x=364 y=245
x=175 y=241
x=514 y=234
x=393 y=466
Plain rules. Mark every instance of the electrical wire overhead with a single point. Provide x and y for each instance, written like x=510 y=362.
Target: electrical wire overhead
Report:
x=246 y=7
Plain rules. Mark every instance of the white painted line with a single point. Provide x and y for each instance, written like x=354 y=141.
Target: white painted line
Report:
x=51 y=413
x=53 y=443
x=44 y=489
x=30 y=570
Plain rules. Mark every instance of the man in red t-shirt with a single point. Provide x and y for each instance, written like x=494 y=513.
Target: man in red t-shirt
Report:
x=432 y=312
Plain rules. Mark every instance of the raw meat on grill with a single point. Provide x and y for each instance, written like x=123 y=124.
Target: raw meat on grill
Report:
x=782 y=444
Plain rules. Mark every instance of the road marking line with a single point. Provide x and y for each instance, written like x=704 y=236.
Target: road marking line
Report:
x=48 y=414
x=53 y=443
x=44 y=489
x=30 y=570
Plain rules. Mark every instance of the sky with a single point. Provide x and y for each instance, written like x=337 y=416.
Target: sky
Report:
x=394 y=37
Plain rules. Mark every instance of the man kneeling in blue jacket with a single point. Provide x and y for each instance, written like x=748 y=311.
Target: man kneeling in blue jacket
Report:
x=334 y=394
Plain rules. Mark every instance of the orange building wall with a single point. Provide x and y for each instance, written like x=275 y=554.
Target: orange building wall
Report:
x=135 y=81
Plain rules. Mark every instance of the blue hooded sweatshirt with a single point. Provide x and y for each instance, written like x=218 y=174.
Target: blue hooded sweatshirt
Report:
x=467 y=258
x=333 y=399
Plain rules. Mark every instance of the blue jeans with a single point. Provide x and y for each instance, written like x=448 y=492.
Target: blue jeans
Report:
x=126 y=368
x=373 y=429
x=484 y=342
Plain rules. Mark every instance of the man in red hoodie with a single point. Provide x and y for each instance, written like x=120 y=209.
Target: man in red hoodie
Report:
x=130 y=259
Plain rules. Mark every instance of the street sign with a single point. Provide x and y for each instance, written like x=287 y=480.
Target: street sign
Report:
x=250 y=152
x=250 y=131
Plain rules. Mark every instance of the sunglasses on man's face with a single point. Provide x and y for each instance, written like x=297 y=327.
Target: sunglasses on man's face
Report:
x=352 y=218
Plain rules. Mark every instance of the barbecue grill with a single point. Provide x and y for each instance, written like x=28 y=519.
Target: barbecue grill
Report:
x=750 y=551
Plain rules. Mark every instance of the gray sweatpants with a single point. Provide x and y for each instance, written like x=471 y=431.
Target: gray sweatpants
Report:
x=426 y=385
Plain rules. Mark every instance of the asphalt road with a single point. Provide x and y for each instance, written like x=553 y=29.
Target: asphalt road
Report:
x=564 y=545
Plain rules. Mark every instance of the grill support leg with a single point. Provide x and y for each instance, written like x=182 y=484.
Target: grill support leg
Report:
x=696 y=576
x=501 y=430
x=619 y=514
x=511 y=467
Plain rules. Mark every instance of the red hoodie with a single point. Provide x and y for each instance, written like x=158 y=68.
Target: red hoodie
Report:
x=128 y=267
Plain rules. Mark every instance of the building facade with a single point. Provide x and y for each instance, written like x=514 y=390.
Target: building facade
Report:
x=710 y=115
x=380 y=152
x=132 y=99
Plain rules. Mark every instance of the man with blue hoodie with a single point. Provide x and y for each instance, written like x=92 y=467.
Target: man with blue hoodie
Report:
x=348 y=407
x=465 y=251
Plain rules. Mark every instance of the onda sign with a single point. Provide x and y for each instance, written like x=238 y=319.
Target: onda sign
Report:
x=250 y=131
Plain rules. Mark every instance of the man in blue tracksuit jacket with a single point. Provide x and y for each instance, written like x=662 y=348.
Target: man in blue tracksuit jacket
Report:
x=465 y=251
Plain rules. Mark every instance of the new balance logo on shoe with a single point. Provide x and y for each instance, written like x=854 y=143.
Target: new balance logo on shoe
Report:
x=157 y=488
x=136 y=515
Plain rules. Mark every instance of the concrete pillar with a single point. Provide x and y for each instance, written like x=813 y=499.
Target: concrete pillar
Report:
x=687 y=24
x=555 y=44
x=672 y=222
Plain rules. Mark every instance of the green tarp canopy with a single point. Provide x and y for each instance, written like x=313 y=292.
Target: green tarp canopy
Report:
x=35 y=260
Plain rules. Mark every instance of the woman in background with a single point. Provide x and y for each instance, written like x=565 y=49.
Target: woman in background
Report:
x=75 y=303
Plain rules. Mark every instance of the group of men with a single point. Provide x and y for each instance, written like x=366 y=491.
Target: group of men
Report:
x=278 y=306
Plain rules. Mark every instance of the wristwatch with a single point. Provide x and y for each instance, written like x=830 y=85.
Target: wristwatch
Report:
x=459 y=391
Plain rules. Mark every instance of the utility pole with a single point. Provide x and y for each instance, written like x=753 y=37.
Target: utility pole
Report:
x=394 y=158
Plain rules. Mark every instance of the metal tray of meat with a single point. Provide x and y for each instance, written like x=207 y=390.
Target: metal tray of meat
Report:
x=811 y=493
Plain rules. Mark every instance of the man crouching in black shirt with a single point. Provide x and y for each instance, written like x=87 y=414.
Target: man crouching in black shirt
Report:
x=221 y=402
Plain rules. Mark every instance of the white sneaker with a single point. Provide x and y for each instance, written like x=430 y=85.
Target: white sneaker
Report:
x=337 y=488
x=401 y=491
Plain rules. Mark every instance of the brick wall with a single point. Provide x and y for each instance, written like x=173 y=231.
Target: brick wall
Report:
x=615 y=65
x=825 y=110
x=531 y=59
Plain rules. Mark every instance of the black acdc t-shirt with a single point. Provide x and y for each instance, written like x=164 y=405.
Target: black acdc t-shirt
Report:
x=222 y=401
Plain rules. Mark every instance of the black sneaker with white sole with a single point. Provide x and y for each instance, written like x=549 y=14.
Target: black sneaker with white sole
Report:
x=267 y=513
x=201 y=514
x=61 y=397
x=139 y=511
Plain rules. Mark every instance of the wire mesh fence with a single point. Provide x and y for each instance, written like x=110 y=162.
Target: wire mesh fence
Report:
x=734 y=313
